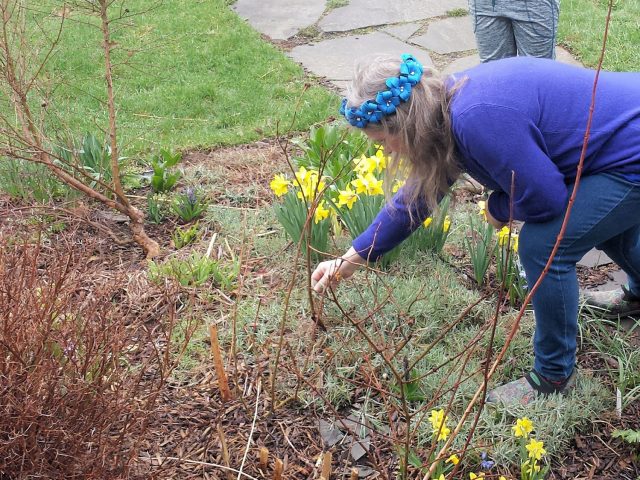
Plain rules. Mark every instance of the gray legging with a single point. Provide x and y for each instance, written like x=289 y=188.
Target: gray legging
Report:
x=506 y=28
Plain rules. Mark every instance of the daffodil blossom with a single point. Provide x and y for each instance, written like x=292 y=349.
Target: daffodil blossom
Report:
x=536 y=449
x=446 y=224
x=427 y=222
x=482 y=209
x=347 y=197
x=503 y=238
x=472 y=475
x=279 y=185
x=321 y=213
x=368 y=184
x=522 y=428
x=454 y=459
x=439 y=423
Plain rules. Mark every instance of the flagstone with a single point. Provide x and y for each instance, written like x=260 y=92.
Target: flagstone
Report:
x=402 y=31
x=371 y=13
x=280 y=19
x=335 y=58
x=448 y=35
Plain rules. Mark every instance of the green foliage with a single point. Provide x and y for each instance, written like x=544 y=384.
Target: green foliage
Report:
x=332 y=4
x=182 y=237
x=457 y=12
x=155 y=209
x=629 y=436
x=28 y=181
x=480 y=246
x=162 y=179
x=292 y=214
x=433 y=233
x=509 y=273
x=189 y=206
x=332 y=148
x=196 y=270
x=92 y=156
x=163 y=105
x=581 y=29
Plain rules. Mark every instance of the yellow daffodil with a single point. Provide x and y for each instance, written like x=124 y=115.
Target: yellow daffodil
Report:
x=454 y=459
x=502 y=477
x=437 y=417
x=279 y=185
x=310 y=183
x=522 y=428
x=503 y=238
x=446 y=224
x=482 y=209
x=443 y=433
x=397 y=185
x=381 y=160
x=427 y=222
x=473 y=475
x=368 y=184
x=321 y=213
x=439 y=424
x=442 y=477
x=347 y=197
x=302 y=174
x=536 y=449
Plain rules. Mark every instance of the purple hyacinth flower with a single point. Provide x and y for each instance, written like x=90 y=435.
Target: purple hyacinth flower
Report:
x=486 y=464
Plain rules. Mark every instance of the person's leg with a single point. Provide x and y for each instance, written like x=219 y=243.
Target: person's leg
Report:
x=536 y=28
x=625 y=301
x=624 y=250
x=605 y=209
x=494 y=37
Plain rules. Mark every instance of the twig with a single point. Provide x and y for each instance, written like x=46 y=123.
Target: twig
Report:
x=218 y=364
x=223 y=446
x=253 y=426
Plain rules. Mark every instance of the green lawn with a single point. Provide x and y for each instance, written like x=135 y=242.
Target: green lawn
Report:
x=195 y=75
x=581 y=30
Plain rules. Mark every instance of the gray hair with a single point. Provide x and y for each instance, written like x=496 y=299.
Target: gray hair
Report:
x=423 y=124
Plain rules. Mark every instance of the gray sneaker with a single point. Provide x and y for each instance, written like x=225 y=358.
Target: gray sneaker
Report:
x=613 y=303
x=526 y=389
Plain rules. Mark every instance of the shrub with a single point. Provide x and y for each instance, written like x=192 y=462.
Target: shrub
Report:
x=75 y=396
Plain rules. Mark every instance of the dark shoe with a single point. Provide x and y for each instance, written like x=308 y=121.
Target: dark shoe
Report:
x=614 y=303
x=526 y=389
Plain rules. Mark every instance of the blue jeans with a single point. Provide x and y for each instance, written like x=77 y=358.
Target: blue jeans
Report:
x=605 y=215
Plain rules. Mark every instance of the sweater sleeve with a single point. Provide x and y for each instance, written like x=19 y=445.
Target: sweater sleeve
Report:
x=392 y=225
x=502 y=140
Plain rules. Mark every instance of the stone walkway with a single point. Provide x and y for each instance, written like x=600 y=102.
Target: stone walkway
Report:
x=328 y=40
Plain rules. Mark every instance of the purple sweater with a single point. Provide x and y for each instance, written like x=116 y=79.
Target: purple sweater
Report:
x=529 y=116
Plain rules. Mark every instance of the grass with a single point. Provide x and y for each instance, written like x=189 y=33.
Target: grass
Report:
x=581 y=30
x=190 y=74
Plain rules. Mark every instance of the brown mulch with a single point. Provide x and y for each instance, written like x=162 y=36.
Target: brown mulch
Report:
x=238 y=176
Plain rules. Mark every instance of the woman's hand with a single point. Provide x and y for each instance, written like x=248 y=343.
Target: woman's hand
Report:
x=330 y=272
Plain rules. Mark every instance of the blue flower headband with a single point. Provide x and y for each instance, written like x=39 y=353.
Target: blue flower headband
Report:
x=385 y=103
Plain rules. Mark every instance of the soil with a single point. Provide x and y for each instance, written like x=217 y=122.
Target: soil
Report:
x=196 y=434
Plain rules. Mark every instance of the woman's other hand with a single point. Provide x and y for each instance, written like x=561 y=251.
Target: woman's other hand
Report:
x=330 y=272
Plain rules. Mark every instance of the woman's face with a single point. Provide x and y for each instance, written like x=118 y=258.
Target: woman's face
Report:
x=391 y=143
